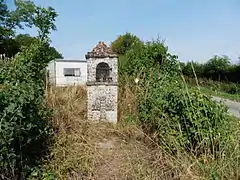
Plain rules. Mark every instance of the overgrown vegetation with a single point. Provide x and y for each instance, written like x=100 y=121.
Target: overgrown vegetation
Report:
x=219 y=68
x=180 y=118
x=167 y=129
x=226 y=90
x=217 y=74
x=25 y=126
x=85 y=150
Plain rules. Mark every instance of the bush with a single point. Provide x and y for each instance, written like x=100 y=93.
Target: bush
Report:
x=185 y=119
x=23 y=112
x=180 y=119
x=24 y=127
x=229 y=88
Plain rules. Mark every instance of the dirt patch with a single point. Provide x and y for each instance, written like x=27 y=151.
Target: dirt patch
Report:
x=121 y=158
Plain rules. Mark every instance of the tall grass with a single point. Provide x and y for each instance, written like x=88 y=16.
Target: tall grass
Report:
x=100 y=150
x=85 y=150
x=180 y=119
x=166 y=129
x=222 y=89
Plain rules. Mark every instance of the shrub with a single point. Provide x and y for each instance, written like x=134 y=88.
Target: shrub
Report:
x=23 y=111
x=24 y=127
x=181 y=119
x=184 y=119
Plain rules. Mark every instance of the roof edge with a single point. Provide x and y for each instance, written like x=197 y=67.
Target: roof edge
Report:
x=100 y=56
x=69 y=60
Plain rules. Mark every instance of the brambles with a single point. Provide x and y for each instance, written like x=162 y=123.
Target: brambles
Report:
x=179 y=118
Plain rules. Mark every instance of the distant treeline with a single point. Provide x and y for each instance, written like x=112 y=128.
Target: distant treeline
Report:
x=219 y=68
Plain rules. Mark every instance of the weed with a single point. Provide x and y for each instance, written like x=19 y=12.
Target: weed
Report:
x=181 y=119
x=85 y=150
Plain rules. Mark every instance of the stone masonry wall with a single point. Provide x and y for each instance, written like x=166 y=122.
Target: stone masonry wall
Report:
x=92 y=64
x=102 y=96
x=102 y=103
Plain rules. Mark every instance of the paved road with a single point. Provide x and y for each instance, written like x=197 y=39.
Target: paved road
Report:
x=234 y=107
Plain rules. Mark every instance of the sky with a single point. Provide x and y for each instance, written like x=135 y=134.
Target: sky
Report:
x=192 y=29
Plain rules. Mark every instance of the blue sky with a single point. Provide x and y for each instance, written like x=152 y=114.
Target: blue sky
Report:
x=192 y=29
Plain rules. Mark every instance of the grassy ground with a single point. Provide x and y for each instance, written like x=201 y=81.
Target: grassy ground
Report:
x=234 y=97
x=91 y=150
x=214 y=88
x=85 y=150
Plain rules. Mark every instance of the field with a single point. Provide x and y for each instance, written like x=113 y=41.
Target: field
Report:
x=225 y=90
x=234 y=97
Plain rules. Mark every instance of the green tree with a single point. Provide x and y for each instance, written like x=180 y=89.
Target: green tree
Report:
x=11 y=46
x=26 y=14
x=190 y=67
x=6 y=27
x=14 y=45
x=7 y=23
x=54 y=53
x=25 y=40
x=218 y=65
x=32 y=15
x=124 y=43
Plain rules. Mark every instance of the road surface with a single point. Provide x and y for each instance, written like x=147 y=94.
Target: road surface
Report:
x=234 y=107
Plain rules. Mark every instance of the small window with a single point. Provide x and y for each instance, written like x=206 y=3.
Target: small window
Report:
x=72 y=72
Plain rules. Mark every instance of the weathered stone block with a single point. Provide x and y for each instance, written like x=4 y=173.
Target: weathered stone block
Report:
x=102 y=96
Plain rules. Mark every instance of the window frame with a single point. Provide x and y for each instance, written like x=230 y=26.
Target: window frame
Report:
x=73 y=73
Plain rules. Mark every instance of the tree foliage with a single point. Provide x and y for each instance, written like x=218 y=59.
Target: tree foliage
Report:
x=16 y=44
x=124 y=43
x=190 y=68
x=218 y=68
x=25 y=14
x=25 y=40
x=179 y=118
x=40 y=17
x=217 y=65
x=9 y=21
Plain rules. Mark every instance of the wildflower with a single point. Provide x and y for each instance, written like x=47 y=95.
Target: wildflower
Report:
x=136 y=80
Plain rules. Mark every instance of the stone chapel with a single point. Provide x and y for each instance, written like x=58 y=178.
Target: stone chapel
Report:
x=102 y=84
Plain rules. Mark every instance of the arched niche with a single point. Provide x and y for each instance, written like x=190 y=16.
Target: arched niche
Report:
x=103 y=72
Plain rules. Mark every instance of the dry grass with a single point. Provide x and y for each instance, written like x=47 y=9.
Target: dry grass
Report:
x=85 y=150
x=127 y=103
